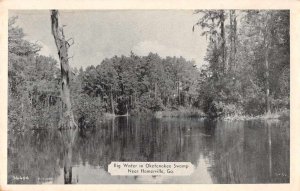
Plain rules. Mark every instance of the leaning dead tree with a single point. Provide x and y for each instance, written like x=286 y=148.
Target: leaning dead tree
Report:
x=67 y=119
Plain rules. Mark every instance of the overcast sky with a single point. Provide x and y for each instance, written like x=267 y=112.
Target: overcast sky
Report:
x=103 y=34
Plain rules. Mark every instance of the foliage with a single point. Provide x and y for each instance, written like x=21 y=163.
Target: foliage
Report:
x=87 y=109
x=147 y=83
x=32 y=83
x=253 y=77
x=246 y=72
x=180 y=112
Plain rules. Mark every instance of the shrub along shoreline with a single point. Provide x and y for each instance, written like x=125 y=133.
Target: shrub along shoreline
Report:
x=278 y=115
x=183 y=112
x=196 y=113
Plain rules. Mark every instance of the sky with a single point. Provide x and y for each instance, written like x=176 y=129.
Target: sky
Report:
x=104 y=33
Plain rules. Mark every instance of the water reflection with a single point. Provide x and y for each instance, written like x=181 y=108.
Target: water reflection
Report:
x=68 y=137
x=222 y=152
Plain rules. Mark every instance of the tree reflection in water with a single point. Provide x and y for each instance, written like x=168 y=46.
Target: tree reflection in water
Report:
x=68 y=137
x=222 y=152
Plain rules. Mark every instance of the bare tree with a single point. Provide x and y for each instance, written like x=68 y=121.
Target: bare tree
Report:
x=67 y=118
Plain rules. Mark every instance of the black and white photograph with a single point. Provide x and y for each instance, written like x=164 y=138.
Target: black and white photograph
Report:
x=205 y=87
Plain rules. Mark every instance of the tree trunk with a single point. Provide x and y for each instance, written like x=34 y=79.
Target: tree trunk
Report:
x=155 y=91
x=232 y=54
x=234 y=40
x=134 y=104
x=222 y=28
x=62 y=45
x=178 y=89
x=231 y=39
x=23 y=115
x=267 y=81
x=267 y=41
x=112 y=103
x=168 y=100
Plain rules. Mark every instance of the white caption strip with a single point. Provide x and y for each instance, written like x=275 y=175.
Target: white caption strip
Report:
x=151 y=168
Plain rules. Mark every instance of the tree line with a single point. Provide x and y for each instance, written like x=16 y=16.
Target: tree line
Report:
x=248 y=60
x=245 y=72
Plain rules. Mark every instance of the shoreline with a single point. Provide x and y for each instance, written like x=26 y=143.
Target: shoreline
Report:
x=281 y=115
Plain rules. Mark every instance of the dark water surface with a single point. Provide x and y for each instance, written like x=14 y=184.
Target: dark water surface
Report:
x=222 y=152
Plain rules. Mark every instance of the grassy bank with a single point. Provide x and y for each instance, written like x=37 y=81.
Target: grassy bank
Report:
x=191 y=112
x=182 y=112
x=279 y=115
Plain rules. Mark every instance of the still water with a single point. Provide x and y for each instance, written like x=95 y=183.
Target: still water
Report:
x=222 y=152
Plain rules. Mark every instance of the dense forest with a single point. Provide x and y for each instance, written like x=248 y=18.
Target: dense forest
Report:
x=245 y=73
